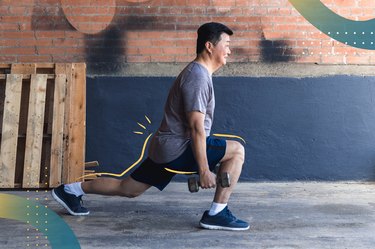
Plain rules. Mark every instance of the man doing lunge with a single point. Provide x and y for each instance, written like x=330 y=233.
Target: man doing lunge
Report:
x=182 y=142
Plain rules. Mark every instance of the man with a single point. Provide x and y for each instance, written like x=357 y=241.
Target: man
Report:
x=182 y=142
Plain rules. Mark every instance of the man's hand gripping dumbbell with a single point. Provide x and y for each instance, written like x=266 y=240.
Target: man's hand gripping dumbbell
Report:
x=223 y=179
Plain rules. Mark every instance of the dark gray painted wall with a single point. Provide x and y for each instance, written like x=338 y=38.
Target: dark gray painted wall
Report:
x=296 y=129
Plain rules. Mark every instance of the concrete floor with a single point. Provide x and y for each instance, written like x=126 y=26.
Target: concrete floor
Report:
x=282 y=215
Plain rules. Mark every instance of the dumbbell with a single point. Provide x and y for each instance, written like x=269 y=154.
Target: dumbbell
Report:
x=223 y=180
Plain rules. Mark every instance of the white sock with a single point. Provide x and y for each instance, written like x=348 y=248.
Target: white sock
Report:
x=216 y=208
x=74 y=189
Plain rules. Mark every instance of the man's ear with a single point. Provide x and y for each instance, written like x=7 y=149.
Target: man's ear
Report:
x=209 y=46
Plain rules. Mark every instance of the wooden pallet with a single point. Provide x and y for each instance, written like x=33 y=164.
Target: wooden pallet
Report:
x=42 y=124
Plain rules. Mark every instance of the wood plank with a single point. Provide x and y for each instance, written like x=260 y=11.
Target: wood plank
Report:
x=57 y=147
x=79 y=115
x=66 y=68
x=75 y=116
x=45 y=65
x=34 y=136
x=22 y=68
x=27 y=76
x=77 y=123
x=9 y=134
x=2 y=100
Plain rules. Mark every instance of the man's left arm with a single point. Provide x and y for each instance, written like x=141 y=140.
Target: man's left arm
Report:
x=198 y=143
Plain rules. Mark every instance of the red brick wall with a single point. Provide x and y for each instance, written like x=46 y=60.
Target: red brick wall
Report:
x=117 y=31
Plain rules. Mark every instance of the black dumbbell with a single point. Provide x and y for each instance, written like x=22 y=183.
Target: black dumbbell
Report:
x=223 y=180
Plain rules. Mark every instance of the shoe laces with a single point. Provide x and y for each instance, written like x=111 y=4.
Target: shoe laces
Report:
x=230 y=215
x=80 y=201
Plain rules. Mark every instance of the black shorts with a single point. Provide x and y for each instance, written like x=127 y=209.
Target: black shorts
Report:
x=159 y=175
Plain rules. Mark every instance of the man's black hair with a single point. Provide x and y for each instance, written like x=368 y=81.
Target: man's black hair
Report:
x=210 y=32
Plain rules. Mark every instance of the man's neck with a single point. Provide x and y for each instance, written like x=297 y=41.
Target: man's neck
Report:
x=207 y=63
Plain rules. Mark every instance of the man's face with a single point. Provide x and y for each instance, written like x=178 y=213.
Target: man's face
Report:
x=221 y=51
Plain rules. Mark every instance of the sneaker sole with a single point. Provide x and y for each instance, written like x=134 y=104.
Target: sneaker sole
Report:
x=213 y=227
x=57 y=198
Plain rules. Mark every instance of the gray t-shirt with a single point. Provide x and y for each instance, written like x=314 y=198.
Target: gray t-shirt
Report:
x=192 y=91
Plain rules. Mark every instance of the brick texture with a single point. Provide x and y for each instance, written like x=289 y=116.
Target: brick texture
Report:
x=117 y=31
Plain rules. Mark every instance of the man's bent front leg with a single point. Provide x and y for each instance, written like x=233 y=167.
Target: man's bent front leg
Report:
x=219 y=216
x=232 y=163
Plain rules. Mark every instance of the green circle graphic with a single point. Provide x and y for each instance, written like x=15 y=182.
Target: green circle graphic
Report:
x=359 y=34
x=58 y=233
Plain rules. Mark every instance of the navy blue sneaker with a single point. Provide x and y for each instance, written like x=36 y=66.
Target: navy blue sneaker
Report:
x=70 y=202
x=224 y=220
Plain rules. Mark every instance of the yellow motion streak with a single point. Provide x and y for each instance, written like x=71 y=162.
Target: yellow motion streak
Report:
x=228 y=135
x=141 y=125
x=180 y=172
x=138 y=132
x=125 y=171
x=148 y=120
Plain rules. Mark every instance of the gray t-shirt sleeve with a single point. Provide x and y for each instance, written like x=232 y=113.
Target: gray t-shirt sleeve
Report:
x=195 y=94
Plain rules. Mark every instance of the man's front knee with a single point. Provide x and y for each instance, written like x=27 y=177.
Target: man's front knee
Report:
x=131 y=188
x=134 y=194
x=239 y=151
x=130 y=194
